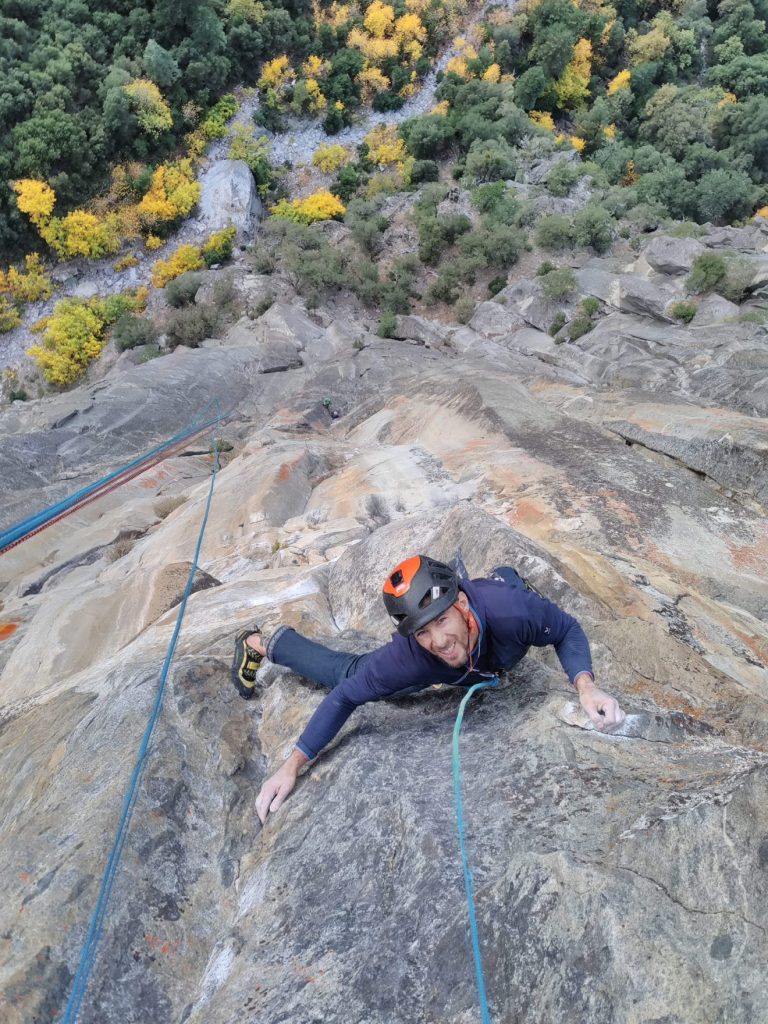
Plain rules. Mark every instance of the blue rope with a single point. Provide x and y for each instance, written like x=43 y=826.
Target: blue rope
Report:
x=94 y=932
x=485 y=1014
x=26 y=526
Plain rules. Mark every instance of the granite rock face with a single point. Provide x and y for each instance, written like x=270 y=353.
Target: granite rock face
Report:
x=618 y=878
x=228 y=196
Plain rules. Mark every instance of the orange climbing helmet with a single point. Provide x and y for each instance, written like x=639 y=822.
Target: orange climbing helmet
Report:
x=417 y=591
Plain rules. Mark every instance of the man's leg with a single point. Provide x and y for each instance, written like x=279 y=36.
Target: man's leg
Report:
x=306 y=657
x=512 y=578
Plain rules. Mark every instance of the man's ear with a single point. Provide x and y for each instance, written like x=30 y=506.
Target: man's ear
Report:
x=462 y=601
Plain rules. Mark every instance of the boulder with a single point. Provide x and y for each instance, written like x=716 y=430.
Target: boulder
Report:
x=419 y=328
x=229 y=197
x=629 y=292
x=714 y=309
x=672 y=255
x=495 y=319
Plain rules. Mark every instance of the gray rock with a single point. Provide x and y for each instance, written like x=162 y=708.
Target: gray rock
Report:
x=672 y=255
x=629 y=293
x=713 y=309
x=496 y=318
x=419 y=328
x=229 y=196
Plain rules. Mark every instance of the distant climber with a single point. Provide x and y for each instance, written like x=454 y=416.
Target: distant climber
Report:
x=449 y=630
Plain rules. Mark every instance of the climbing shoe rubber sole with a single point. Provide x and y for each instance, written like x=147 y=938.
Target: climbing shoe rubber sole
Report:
x=245 y=665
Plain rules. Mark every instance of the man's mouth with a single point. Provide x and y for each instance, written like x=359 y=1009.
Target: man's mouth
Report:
x=448 y=653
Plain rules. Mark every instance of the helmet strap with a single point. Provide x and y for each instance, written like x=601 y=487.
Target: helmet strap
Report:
x=469 y=617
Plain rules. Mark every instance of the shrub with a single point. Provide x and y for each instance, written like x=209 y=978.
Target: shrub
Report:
x=164 y=506
x=580 y=326
x=73 y=338
x=593 y=226
x=322 y=205
x=9 y=315
x=707 y=272
x=424 y=170
x=494 y=244
x=684 y=311
x=28 y=285
x=218 y=247
x=590 y=305
x=125 y=262
x=559 y=283
x=130 y=331
x=557 y=324
x=497 y=284
x=215 y=124
x=489 y=160
x=554 y=233
x=387 y=325
x=347 y=181
x=186 y=257
x=739 y=274
x=191 y=325
x=263 y=262
x=464 y=308
x=366 y=224
x=182 y=289
x=545 y=268
x=331 y=158
x=562 y=178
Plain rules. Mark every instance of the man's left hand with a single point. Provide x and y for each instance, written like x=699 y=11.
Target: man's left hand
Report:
x=603 y=710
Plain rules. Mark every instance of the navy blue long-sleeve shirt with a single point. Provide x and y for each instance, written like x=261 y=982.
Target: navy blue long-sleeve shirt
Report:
x=510 y=619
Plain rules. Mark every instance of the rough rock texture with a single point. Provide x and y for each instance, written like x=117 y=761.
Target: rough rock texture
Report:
x=619 y=880
x=228 y=196
x=672 y=255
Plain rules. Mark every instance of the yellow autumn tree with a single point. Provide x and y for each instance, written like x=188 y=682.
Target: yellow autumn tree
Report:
x=275 y=74
x=379 y=19
x=543 y=119
x=572 y=87
x=619 y=82
x=34 y=198
x=152 y=112
x=372 y=81
x=81 y=233
x=28 y=285
x=385 y=146
x=322 y=205
x=186 y=257
x=331 y=158
x=173 y=193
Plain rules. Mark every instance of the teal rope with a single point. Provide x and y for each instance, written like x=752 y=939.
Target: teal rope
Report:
x=485 y=1014
x=94 y=932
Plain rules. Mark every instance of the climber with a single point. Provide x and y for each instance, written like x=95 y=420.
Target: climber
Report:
x=449 y=630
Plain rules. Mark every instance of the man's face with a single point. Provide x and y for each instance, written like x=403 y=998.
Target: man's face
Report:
x=447 y=636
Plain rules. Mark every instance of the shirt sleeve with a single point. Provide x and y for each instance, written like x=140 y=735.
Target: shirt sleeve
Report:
x=543 y=623
x=382 y=675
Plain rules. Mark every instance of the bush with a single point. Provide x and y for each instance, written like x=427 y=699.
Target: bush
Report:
x=590 y=305
x=387 y=325
x=489 y=160
x=331 y=158
x=497 y=284
x=366 y=224
x=497 y=245
x=347 y=181
x=424 y=170
x=218 y=247
x=215 y=124
x=186 y=257
x=464 y=308
x=545 y=268
x=554 y=233
x=557 y=324
x=562 y=178
x=580 y=326
x=739 y=274
x=593 y=226
x=322 y=205
x=191 y=325
x=559 y=283
x=182 y=289
x=707 y=272
x=130 y=331
x=684 y=311
x=9 y=315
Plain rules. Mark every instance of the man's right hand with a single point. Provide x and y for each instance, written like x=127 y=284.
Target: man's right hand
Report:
x=278 y=786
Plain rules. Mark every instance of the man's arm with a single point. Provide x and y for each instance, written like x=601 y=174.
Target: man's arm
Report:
x=277 y=787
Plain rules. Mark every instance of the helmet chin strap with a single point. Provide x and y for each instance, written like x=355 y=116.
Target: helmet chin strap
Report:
x=469 y=617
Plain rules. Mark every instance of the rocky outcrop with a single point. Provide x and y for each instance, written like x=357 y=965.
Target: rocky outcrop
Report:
x=625 y=474
x=672 y=255
x=229 y=197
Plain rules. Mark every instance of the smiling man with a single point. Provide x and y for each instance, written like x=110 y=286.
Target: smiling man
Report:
x=448 y=631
